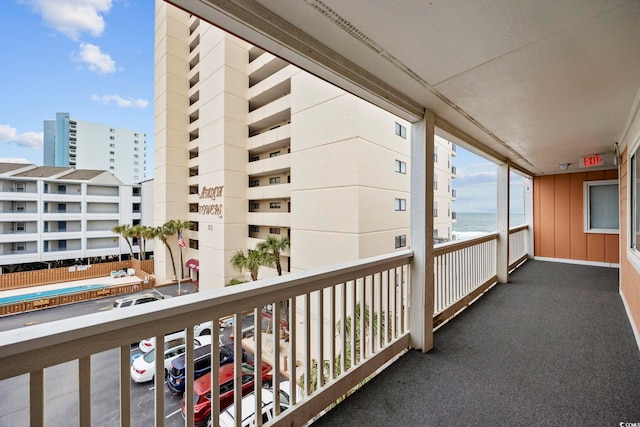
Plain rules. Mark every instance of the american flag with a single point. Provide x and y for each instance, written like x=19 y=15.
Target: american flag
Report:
x=181 y=241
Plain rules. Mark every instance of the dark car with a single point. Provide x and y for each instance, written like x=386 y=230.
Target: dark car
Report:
x=202 y=365
x=202 y=389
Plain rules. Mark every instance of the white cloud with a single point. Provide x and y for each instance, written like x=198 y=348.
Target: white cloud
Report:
x=120 y=101
x=26 y=139
x=97 y=61
x=14 y=160
x=73 y=17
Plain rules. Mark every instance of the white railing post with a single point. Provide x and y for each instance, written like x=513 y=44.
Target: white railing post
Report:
x=421 y=307
x=503 y=223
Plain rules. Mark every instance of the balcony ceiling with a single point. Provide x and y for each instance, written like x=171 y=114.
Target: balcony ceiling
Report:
x=537 y=82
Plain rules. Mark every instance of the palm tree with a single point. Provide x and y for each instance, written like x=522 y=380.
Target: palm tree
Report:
x=136 y=231
x=124 y=230
x=252 y=261
x=147 y=234
x=274 y=246
x=162 y=232
x=179 y=226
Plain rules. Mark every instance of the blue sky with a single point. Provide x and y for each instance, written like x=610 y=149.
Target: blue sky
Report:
x=94 y=60
x=90 y=58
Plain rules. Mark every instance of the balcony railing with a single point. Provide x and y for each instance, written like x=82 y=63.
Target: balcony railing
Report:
x=351 y=319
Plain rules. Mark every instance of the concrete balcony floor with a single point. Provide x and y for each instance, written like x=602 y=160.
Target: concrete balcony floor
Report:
x=552 y=347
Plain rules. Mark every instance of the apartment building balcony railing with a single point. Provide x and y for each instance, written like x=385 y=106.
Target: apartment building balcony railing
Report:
x=354 y=317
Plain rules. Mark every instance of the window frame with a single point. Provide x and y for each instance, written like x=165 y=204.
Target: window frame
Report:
x=587 y=185
x=400 y=204
x=401 y=167
x=401 y=241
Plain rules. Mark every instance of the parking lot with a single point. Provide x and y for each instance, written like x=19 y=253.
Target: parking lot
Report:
x=61 y=381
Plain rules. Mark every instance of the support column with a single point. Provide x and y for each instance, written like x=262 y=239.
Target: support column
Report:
x=422 y=233
x=503 y=222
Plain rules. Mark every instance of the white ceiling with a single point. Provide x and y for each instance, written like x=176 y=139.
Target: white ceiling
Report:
x=539 y=82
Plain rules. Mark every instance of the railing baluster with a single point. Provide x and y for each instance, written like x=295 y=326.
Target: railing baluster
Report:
x=332 y=332
x=84 y=390
x=292 y=349
x=158 y=390
x=257 y=363
x=215 y=370
x=320 y=338
x=125 y=386
x=36 y=398
x=307 y=344
x=363 y=319
x=352 y=324
x=275 y=318
x=343 y=329
x=188 y=371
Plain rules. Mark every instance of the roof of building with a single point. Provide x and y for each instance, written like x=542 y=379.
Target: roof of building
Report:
x=82 y=174
x=8 y=167
x=42 y=172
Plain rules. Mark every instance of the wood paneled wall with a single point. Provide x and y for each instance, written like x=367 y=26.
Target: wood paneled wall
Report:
x=558 y=218
x=630 y=277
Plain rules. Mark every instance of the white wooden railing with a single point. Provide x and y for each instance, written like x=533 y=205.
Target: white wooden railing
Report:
x=325 y=306
x=462 y=271
x=352 y=317
x=518 y=245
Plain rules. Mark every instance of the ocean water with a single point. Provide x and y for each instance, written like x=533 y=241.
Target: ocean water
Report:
x=474 y=224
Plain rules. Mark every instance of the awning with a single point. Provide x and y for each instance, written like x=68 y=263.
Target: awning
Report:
x=193 y=264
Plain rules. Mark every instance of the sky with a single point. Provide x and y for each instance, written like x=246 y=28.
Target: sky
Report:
x=94 y=60
x=90 y=58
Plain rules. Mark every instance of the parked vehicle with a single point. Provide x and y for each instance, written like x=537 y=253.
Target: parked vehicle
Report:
x=202 y=365
x=202 y=389
x=227 y=418
x=138 y=299
x=143 y=368
x=148 y=344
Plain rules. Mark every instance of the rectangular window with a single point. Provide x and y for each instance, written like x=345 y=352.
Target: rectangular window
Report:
x=112 y=145
x=135 y=141
x=135 y=156
x=112 y=130
x=274 y=230
x=254 y=206
x=274 y=180
x=401 y=204
x=19 y=207
x=435 y=182
x=254 y=229
x=601 y=207
x=634 y=211
x=274 y=154
x=19 y=246
x=274 y=205
x=112 y=137
x=435 y=154
x=112 y=161
x=401 y=241
x=401 y=167
x=135 y=134
x=254 y=183
x=20 y=187
x=401 y=131
x=20 y=226
x=435 y=209
x=112 y=153
x=254 y=158
x=62 y=245
x=193 y=244
x=135 y=148
x=111 y=168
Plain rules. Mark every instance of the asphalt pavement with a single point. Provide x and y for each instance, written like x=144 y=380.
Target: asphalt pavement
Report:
x=61 y=381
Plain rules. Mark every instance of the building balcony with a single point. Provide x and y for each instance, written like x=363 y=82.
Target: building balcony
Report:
x=275 y=219
x=279 y=136
x=270 y=165
x=273 y=114
x=535 y=349
x=264 y=192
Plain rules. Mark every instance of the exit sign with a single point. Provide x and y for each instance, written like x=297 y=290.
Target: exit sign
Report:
x=590 y=161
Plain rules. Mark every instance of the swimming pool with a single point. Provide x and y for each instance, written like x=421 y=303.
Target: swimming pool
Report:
x=49 y=294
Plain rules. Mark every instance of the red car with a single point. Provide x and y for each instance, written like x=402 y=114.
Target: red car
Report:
x=202 y=390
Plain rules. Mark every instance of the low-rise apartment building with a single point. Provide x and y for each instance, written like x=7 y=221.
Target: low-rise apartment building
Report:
x=59 y=216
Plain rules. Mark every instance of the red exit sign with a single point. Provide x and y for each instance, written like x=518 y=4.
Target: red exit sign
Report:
x=590 y=161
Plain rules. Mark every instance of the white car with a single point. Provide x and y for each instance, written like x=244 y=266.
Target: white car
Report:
x=143 y=368
x=148 y=344
x=249 y=406
x=138 y=299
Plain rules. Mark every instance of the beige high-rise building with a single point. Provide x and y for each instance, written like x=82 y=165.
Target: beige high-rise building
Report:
x=247 y=146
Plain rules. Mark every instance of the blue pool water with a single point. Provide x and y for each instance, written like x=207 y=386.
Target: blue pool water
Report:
x=47 y=294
